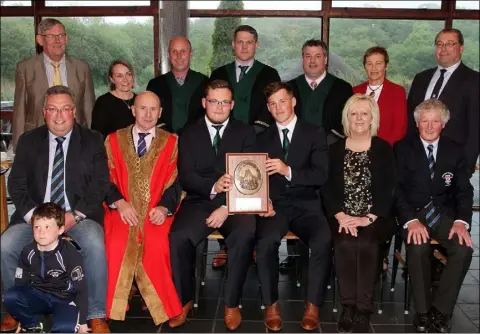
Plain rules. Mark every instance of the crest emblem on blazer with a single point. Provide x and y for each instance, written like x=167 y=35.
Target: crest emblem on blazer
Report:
x=448 y=178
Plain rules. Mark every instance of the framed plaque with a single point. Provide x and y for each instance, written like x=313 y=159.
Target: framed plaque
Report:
x=249 y=192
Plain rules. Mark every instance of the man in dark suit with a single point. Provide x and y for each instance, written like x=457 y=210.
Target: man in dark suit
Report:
x=457 y=86
x=64 y=163
x=248 y=77
x=180 y=90
x=434 y=200
x=201 y=166
x=298 y=166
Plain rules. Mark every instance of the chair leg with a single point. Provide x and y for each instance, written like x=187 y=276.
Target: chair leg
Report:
x=203 y=269
x=397 y=246
x=380 y=306
x=407 y=291
x=335 y=308
x=199 y=268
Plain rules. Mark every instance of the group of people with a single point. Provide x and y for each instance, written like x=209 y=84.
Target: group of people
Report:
x=345 y=165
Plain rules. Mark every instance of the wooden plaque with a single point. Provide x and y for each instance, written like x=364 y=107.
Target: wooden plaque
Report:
x=249 y=192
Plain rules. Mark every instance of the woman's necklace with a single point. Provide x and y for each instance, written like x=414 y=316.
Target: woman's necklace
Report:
x=372 y=93
x=126 y=103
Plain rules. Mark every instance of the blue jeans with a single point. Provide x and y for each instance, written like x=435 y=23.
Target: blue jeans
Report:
x=89 y=237
x=24 y=302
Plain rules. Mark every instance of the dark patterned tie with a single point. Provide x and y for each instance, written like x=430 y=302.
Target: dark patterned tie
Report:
x=438 y=85
x=431 y=161
x=142 y=145
x=432 y=215
x=57 y=189
x=243 y=70
x=286 y=143
x=217 y=138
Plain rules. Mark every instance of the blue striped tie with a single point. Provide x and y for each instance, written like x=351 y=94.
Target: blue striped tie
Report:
x=431 y=218
x=142 y=145
x=57 y=189
x=431 y=161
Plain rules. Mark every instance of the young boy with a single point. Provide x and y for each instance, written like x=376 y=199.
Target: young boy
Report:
x=49 y=278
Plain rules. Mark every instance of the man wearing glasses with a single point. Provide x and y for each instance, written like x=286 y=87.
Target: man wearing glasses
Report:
x=64 y=163
x=457 y=86
x=201 y=167
x=52 y=67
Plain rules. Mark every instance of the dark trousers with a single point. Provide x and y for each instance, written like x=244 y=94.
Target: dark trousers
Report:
x=24 y=302
x=312 y=229
x=418 y=261
x=189 y=229
x=357 y=262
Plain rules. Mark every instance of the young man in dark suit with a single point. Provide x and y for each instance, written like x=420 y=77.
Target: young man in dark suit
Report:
x=298 y=166
x=457 y=86
x=434 y=200
x=201 y=165
x=64 y=163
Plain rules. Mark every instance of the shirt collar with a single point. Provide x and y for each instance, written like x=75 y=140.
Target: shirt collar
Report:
x=425 y=143
x=290 y=126
x=249 y=64
x=48 y=61
x=318 y=80
x=152 y=131
x=210 y=124
x=450 y=69
x=51 y=136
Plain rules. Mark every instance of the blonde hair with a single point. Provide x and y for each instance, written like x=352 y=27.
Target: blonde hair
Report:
x=352 y=101
x=430 y=106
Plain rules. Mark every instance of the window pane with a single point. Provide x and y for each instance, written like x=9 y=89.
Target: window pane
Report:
x=470 y=30
x=17 y=43
x=15 y=3
x=100 y=40
x=54 y=3
x=409 y=44
x=261 y=5
x=388 y=4
x=467 y=5
x=280 y=42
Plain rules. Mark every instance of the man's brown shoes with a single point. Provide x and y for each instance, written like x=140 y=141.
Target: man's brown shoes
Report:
x=99 y=326
x=232 y=318
x=310 y=319
x=182 y=317
x=220 y=259
x=273 y=321
x=8 y=323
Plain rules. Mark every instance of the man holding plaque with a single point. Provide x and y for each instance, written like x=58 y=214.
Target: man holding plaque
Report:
x=201 y=164
x=298 y=167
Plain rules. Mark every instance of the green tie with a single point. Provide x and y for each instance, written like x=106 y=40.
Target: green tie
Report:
x=286 y=143
x=216 y=139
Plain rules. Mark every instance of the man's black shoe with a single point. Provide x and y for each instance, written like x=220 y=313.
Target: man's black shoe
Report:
x=422 y=322
x=441 y=321
x=361 y=322
x=345 y=322
x=287 y=264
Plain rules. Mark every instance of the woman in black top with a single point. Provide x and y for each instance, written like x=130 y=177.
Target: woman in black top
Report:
x=112 y=111
x=358 y=197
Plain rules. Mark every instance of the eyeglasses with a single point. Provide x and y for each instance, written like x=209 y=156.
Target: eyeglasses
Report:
x=63 y=110
x=448 y=45
x=51 y=37
x=219 y=103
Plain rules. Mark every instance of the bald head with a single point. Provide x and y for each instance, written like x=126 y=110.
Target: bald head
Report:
x=146 y=110
x=180 y=53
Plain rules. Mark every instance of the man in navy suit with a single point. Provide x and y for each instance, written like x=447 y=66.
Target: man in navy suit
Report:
x=434 y=200
x=457 y=86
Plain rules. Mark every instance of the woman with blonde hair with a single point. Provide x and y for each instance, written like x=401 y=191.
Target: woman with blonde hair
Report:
x=358 y=197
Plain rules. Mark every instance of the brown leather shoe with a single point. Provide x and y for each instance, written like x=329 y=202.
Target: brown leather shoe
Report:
x=99 y=326
x=220 y=259
x=182 y=317
x=272 y=317
x=233 y=318
x=8 y=323
x=310 y=319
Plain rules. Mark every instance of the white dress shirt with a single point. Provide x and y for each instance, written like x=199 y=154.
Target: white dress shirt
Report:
x=148 y=139
x=49 y=70
x=436 y=76
x=318 y=80
x=212 y=131
x=291 y=127
x=52 y=147
x=238 y=63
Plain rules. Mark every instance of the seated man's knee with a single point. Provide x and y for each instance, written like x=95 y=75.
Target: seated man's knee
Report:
x=421 y=250
x=462 y=251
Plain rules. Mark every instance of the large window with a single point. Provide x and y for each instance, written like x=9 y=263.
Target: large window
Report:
x=17 y=42
x=54 y=3
x=261 y=5
x=15 y=3
x=470 y=30
x=99 y=41
x=388 y=4
x=467 y=5
x=409 y=44
x=280 y=42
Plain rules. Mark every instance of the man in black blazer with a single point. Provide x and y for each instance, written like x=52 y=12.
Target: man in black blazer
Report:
x=298 y=166
x=457 y=86
x=65 y=163
x=201 y=165
x=434 y=200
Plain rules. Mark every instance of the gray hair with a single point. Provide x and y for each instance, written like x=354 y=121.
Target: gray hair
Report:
x=58 y=90
x=48 y=24
x=430 y=106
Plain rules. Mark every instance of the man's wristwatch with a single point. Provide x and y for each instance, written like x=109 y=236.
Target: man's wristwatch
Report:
x=77 y=217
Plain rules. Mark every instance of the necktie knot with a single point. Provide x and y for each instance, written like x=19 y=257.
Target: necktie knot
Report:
x=217 y=127
x=55 y=64
x=243 y=70
x=285 y=132
x=430 y=148
x=313 y=84
x=442 y=72
x=60 y=140
x=142 y=145
x=142 y=135
x=57 y=78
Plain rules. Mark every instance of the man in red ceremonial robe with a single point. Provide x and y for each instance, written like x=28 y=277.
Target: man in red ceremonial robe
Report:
x=143 y=196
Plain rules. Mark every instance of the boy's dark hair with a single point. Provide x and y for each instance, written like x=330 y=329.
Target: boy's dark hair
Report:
x=49 y=210
x=246 y=28
x=276 y=86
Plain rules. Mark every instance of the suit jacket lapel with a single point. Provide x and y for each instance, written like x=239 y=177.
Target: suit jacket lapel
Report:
x=204 y=139
x=440 y=160
x=295 y=143
x=44 y=163
x=226 y=139
x=71 y=75
x=426 y=83
x=453 y=84
x=42 y=86
x=73 y=159
x=275 y=144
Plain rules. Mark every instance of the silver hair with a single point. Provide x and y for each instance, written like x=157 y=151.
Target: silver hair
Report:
x=432 y=105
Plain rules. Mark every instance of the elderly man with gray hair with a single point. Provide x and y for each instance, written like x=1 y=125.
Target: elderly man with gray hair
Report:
x=434 y=200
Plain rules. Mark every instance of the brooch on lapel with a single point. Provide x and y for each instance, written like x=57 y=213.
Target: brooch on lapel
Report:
x=448 y=178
